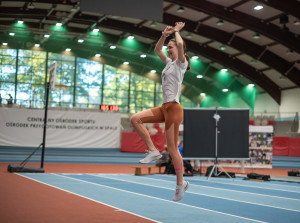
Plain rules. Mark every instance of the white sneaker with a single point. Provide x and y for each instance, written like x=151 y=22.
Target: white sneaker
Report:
x=180 y=191
x=151 y=156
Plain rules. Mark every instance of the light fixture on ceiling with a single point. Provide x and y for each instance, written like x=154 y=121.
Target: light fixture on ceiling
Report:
x=224 y=69
x=251 y=85
x=20 y=21
x=222 y=47
x=46 y=35
x=74 y=8
x=98 y=55
x=143 y=55
x=68 y=49
x=58 y=24
x=189 y=36
x=289 y=52
x=202 y=94
x=153 y=71
x=225 y=90
x=31 y=6
x=180 y=9
x=130 y=37
x=258 y=7
x=256 y=36
x=4 y=44
x=284 y=19
x=220 y=22
x=11 y=34
x=195 y=57
x=80 y=40
x=126 y=63
x=96 y=30
x=199 y=76
x=253 y=61
x=112 y=47
x=37 y=45
x=296 y=23
x=153 y=24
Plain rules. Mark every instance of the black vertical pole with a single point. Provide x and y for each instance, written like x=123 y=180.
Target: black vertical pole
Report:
x=45 y=124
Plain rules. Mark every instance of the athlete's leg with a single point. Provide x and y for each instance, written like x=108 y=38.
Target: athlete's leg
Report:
x=153 y=115
x=173 y=117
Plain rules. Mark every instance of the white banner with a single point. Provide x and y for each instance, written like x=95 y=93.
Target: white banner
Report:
x=261 y=128
x=65 y=129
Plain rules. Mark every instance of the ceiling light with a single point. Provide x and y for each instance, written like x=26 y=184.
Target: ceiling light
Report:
x=112 y=47
x=153 y=24
x=58 y=24
x=220 y=22
x=224 y=69
x=296 y=23
x=80 y=41
x=195 y=57
x=96 y=30
x=20 y=21
x=258 y=7
x=189 y=36
x=68 y=49
x=4 y=44
x=251 y=85
x=11 y=34
x=153 y=71
x=202 y=94
x=37 y=45
x=225 y=90
x=46 y=35
x=143 y=56
x=222 y=47
x=74 y=8
x=180 y=9
x=98 y=55
x=256 y=36
x=199 y=76
x=31 y=6
x=126 y=63
x=289 y=52
x=131 y=37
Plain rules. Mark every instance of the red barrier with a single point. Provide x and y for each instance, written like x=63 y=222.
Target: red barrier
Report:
x=286 y=146
x=131 y=142
x=294 y=147
x=280 y=146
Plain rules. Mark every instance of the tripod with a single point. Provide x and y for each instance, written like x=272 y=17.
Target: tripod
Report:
x=214 y=170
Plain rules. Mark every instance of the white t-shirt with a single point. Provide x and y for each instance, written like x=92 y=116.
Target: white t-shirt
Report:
x=172 y=77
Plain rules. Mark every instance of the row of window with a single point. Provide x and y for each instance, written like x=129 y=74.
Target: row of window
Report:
x=80 y=82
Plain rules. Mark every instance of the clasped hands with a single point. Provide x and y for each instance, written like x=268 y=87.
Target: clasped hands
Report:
x=170 y=29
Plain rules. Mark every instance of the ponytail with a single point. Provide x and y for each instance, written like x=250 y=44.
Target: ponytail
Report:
x=189 y=61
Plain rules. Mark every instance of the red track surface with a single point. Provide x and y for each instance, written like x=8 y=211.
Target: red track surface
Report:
x=24 y=200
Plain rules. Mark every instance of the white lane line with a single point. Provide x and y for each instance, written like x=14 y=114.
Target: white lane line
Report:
x=118 y=209
x=163 y=199
x=268 y=188
x=243 y=192
x=230 y=199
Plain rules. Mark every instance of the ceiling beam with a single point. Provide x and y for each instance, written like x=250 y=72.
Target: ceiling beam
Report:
x=270 y=30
